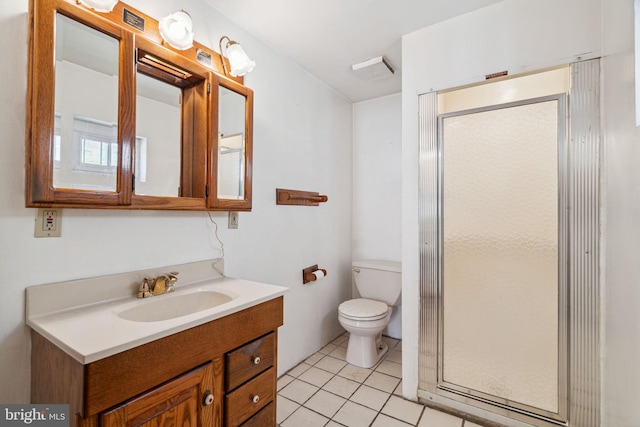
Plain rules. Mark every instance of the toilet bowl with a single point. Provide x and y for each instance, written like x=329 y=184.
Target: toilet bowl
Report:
x=364 y=320
x=379 y=285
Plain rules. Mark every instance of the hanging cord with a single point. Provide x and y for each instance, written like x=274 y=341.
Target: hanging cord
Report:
x=219 y=241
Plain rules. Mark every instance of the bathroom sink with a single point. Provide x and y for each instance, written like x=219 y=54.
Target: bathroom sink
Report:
x=165 y=307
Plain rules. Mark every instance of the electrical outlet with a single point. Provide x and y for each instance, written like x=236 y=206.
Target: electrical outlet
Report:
x=233 y=220
x=48 y=222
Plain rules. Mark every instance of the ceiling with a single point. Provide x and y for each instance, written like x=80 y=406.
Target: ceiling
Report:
x=327 y=37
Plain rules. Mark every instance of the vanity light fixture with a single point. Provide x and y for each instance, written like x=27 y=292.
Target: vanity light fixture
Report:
x=177 y=30
x=104 y=6
x=239 y=61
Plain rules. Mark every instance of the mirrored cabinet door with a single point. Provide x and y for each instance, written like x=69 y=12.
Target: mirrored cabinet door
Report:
x=76 y=153
x=171 y=130
x=233 y=154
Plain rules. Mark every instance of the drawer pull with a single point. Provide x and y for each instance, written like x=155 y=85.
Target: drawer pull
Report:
x=256 y=360
x=207 y=399
x=256 y=399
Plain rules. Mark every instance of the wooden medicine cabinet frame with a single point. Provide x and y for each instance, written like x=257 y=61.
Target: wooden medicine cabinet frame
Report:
x=218 y=201
x=140 y=50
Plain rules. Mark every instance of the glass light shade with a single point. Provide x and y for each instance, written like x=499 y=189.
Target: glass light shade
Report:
x=100 y=5
x=239 y=61
x=177 y=30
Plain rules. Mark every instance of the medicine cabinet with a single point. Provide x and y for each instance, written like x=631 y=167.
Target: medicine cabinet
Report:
x=117 y=119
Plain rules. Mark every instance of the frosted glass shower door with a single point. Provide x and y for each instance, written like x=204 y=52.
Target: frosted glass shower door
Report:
x=501 y=274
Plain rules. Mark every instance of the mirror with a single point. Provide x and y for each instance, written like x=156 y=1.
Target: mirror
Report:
x=171 y=125
x=85 y=138
x=231 y=144
x=158 y=130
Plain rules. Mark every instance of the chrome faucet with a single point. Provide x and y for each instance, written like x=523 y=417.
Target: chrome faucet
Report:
x=160 y=285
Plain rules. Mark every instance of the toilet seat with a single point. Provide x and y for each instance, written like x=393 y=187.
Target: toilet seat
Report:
x=363 y=309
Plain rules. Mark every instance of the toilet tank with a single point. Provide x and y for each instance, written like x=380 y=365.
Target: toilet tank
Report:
x=378 y=280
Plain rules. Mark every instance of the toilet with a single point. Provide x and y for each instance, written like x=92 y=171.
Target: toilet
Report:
x=379 y=285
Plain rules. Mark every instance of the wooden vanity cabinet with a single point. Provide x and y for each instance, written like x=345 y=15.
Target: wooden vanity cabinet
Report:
x=170 y=381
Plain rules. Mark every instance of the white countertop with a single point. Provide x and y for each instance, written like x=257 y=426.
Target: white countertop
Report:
x=88 y=327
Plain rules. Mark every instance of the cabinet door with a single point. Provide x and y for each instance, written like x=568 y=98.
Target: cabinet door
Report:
x=179 y=402
x=232 y=153
x=78 y=138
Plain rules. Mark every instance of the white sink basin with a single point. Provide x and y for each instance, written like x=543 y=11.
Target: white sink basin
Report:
x=170 y=306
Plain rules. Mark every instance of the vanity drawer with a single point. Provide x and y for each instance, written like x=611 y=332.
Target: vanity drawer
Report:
x=266 y=417
x=242 y=403
x=249 y=360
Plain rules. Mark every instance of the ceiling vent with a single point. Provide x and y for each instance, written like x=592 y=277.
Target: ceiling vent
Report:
x=373 y=69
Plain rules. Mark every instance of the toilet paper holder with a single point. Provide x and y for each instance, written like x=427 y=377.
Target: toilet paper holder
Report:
x=313 y=273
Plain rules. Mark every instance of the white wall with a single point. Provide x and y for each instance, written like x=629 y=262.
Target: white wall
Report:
x=513 y=35
x=302 y=140
x=377 y=186
x=377 y=178
x=621 y=313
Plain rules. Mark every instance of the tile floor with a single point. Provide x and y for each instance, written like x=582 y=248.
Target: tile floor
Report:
x=325 y=390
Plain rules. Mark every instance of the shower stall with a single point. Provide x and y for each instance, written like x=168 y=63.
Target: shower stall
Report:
x=509 y=237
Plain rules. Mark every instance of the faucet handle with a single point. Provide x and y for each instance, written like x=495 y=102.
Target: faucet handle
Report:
x=172 y=279
x=143 y=291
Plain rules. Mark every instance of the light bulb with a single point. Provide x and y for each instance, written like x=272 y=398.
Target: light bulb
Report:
x=239 y=61
x=177 y=30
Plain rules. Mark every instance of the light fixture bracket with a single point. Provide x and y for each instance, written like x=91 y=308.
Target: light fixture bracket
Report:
x=104 y=6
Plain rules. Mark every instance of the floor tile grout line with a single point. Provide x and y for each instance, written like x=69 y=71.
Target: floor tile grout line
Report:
x=359 y=385
x=381 y=408
x=346 y=399
x=310 y=409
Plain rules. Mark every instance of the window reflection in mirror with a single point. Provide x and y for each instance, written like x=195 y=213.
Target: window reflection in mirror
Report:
x=85 y=142
x=158 y=133
x=231 y=144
